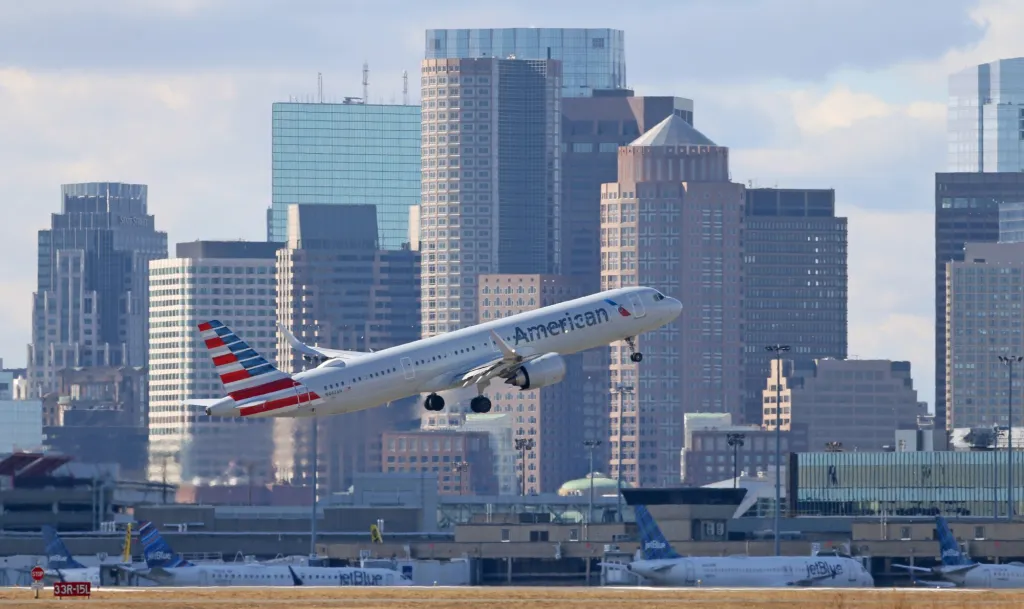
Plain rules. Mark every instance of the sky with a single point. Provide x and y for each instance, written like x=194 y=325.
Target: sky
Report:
x=177 y=94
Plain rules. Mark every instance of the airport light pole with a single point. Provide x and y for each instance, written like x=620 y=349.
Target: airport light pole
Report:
x=622 y=390
x=591 y=445
x=1009 y=361
x=778 y=350
x=736 y=441
x=524 y=445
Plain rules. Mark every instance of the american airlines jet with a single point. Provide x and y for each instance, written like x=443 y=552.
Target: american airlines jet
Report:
x=523 y=350
x=170 y=569
x=960 y=571
x=662 y=566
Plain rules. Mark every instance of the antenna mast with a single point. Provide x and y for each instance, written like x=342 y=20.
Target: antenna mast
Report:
x=366 y=82
x=405 y=87
x=319 y=88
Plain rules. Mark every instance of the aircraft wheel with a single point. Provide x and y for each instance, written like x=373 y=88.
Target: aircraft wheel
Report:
x=434 y=402
x=636 y=358
x=480 y=404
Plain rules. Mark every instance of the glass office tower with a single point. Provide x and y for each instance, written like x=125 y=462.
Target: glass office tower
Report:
x=346 y=154
x=986 y=117
x=591 y=58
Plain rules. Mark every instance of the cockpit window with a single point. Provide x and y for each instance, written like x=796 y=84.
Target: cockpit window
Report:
x=658 y=296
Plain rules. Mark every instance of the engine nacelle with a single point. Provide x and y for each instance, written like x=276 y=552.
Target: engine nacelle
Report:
x=545 y=370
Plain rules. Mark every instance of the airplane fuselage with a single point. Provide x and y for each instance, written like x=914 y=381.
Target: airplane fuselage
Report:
x=754 y=571
x=433 y=365
x=275 y=575
x=990 y=576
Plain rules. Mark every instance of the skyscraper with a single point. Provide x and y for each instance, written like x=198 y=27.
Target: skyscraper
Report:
x=984 y=322
x=336 y=289
x=591 y=58
x=593 y=128
x=986 y=117
x=555 y=417
x=346 y=154
x=231 y=281
x=672 y=221
x=966 y=211
x=91 y=304
x=491 y=179
x=794 y=264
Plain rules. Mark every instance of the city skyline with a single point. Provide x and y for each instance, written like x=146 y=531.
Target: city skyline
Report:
x=869 y=122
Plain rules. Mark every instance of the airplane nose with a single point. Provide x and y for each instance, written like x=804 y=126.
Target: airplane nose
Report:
x=676 y=307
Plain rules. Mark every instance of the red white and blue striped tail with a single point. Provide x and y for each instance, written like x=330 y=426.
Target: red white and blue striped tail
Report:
x=247 y=376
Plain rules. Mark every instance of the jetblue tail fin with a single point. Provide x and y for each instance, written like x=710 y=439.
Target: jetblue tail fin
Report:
x=952 y=556
x=57 y=554
x=157 y=552
x=652 y=542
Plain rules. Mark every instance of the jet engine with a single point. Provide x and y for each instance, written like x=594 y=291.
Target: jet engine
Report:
x=545 y=370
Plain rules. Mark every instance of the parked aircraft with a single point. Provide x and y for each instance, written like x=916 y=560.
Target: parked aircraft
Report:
x=170 y=569
x=523 y=350
x=959 y=570
x=662 y=566
x=61 y=566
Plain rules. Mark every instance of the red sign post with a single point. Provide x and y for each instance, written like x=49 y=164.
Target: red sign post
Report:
x=37 y=573
x=62 y=589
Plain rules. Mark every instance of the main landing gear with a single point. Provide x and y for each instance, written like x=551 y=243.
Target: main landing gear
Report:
x=634 y=356
x=434 y=402
x=480 y=404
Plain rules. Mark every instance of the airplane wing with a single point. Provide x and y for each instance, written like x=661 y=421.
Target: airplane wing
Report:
x=503 y=367
x=318 y=352
x=914 y=568
x=200 y=403
x=956 y=569
x=809 y=581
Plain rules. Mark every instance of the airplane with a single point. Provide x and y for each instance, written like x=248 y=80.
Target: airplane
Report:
x=960 y=571
x=523 y=350
x=662 y=566
x=62 y=567
x=170 y=569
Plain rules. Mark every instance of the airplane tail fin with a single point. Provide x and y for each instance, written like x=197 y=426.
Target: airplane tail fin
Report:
x=952 y=556
x=652 y=541
x=57 y=554
x=157 y=551
x=247 y=376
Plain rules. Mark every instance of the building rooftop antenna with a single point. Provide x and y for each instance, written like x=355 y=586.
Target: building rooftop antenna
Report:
x=319 y=88
x=405 y=87
x=366 y=82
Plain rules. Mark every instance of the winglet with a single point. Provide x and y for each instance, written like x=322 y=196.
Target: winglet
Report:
x=298 y=345
x=507 y=352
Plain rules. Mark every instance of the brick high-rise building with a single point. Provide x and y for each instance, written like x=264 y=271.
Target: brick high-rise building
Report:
x=558 y=417
x=491 y=183
x=672 y=221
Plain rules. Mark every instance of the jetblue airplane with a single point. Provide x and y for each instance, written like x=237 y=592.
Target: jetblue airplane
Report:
x=523 y=350
x=62 y=567
x=170 y=569
x=662 y=566
x=959 y=570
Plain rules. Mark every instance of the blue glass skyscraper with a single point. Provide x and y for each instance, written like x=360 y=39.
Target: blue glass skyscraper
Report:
x=346 y=154
x=986 y=117
x=591 y=58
